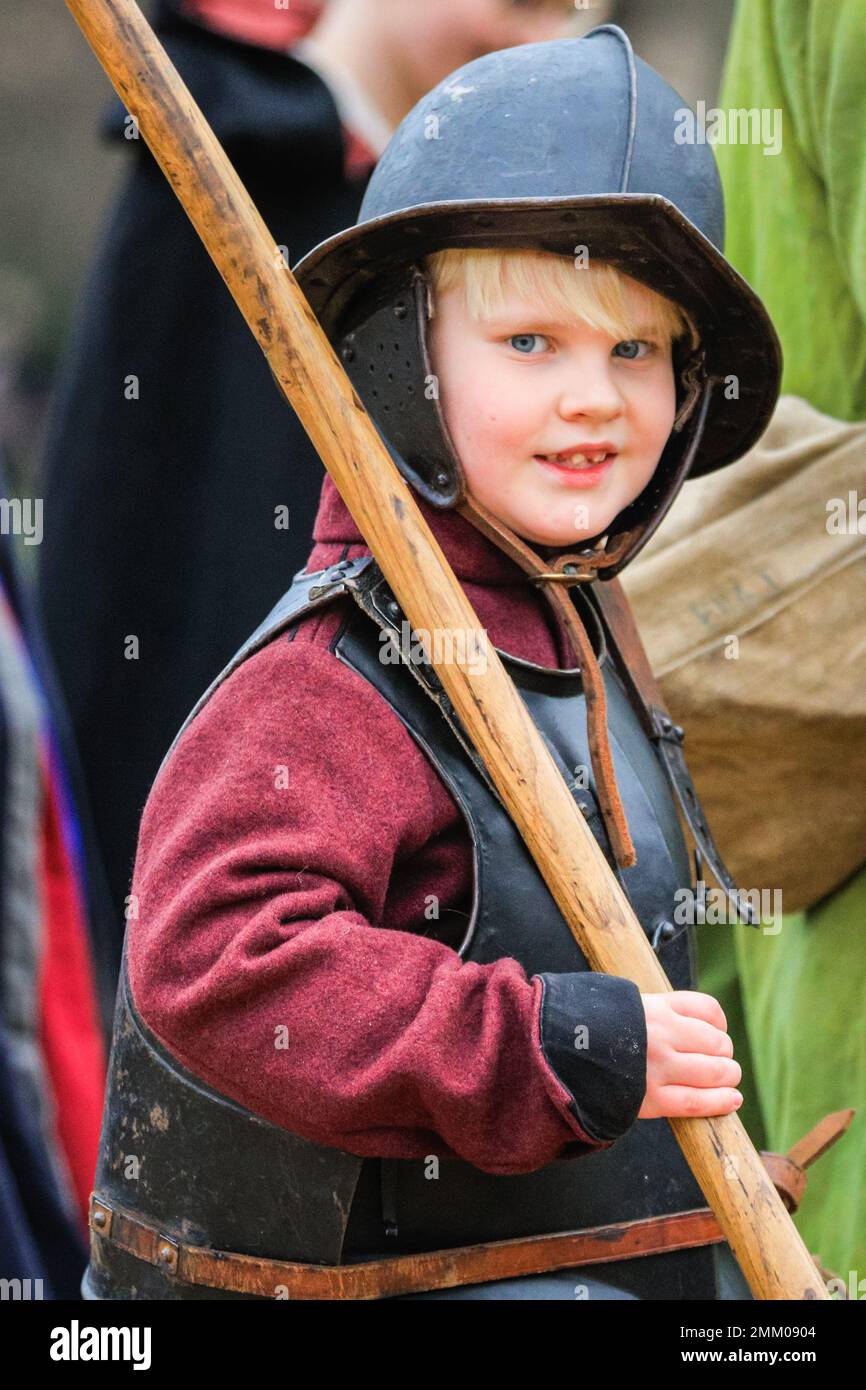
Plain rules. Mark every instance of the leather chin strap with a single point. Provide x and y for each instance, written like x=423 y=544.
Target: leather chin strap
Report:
x=578 y=567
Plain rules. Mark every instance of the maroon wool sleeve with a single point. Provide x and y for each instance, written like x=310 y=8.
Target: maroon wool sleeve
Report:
x=285 y=855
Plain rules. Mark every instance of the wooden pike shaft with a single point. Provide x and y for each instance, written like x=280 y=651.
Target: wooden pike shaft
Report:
x=770 y=1251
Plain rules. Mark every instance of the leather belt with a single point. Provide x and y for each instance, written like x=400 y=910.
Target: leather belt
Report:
x=444 y=1269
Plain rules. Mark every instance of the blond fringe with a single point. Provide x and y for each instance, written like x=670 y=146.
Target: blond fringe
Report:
x=598 y=294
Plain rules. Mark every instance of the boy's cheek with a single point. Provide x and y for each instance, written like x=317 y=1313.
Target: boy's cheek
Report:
x=639 y=474
x=481 y=473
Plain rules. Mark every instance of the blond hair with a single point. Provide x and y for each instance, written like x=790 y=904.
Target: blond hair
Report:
x=597 y=293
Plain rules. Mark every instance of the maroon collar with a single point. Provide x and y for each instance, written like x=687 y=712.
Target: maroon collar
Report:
x=516 y=616
x=474 y=558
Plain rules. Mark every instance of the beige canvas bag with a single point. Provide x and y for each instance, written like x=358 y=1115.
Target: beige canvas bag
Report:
x=751 y=600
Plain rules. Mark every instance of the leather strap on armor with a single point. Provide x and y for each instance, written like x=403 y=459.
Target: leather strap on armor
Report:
x=649 y=704
x=444 y=1269
x=578 y=568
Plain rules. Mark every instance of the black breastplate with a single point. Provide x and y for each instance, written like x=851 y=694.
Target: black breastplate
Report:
x=223 y=1177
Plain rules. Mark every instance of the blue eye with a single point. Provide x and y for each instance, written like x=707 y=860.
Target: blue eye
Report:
x=522 y=342
x=636 y=344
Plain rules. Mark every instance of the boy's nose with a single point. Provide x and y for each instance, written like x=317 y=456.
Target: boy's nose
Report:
x=596 y=397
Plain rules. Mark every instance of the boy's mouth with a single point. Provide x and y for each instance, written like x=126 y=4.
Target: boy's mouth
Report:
x=581 y=467
x=581 y=456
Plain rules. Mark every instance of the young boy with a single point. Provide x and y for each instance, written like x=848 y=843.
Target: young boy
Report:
x=353 y=1023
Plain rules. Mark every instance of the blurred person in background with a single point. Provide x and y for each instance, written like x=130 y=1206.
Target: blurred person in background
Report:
x=180 y=488
x=54 y=1007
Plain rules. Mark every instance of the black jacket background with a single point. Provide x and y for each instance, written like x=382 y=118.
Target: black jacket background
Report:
x=160 y=511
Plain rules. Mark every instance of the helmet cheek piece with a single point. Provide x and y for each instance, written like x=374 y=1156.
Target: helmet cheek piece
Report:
x=386 y=355
x=690 y=369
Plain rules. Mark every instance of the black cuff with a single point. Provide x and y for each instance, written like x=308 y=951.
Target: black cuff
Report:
x=593 y=1035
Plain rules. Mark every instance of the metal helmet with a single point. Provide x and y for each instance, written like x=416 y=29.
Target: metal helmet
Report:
x=549 y=146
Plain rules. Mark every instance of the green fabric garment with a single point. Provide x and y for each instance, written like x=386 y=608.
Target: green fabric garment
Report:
x=796 y=221
x=796 y=1002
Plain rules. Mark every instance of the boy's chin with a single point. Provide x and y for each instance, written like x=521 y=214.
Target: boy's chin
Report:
x=555 y=538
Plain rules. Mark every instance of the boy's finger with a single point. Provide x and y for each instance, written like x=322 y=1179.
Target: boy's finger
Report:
x=691 y=1101
x=697 y=1005
x=694 y=1035
x=703 y=1072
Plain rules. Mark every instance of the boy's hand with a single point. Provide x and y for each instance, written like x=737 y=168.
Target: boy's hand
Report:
x=690 y=1066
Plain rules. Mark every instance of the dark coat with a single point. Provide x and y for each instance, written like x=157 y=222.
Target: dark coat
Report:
x=160 y=510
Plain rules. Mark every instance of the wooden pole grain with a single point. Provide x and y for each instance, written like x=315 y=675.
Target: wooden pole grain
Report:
x=770 y=1251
